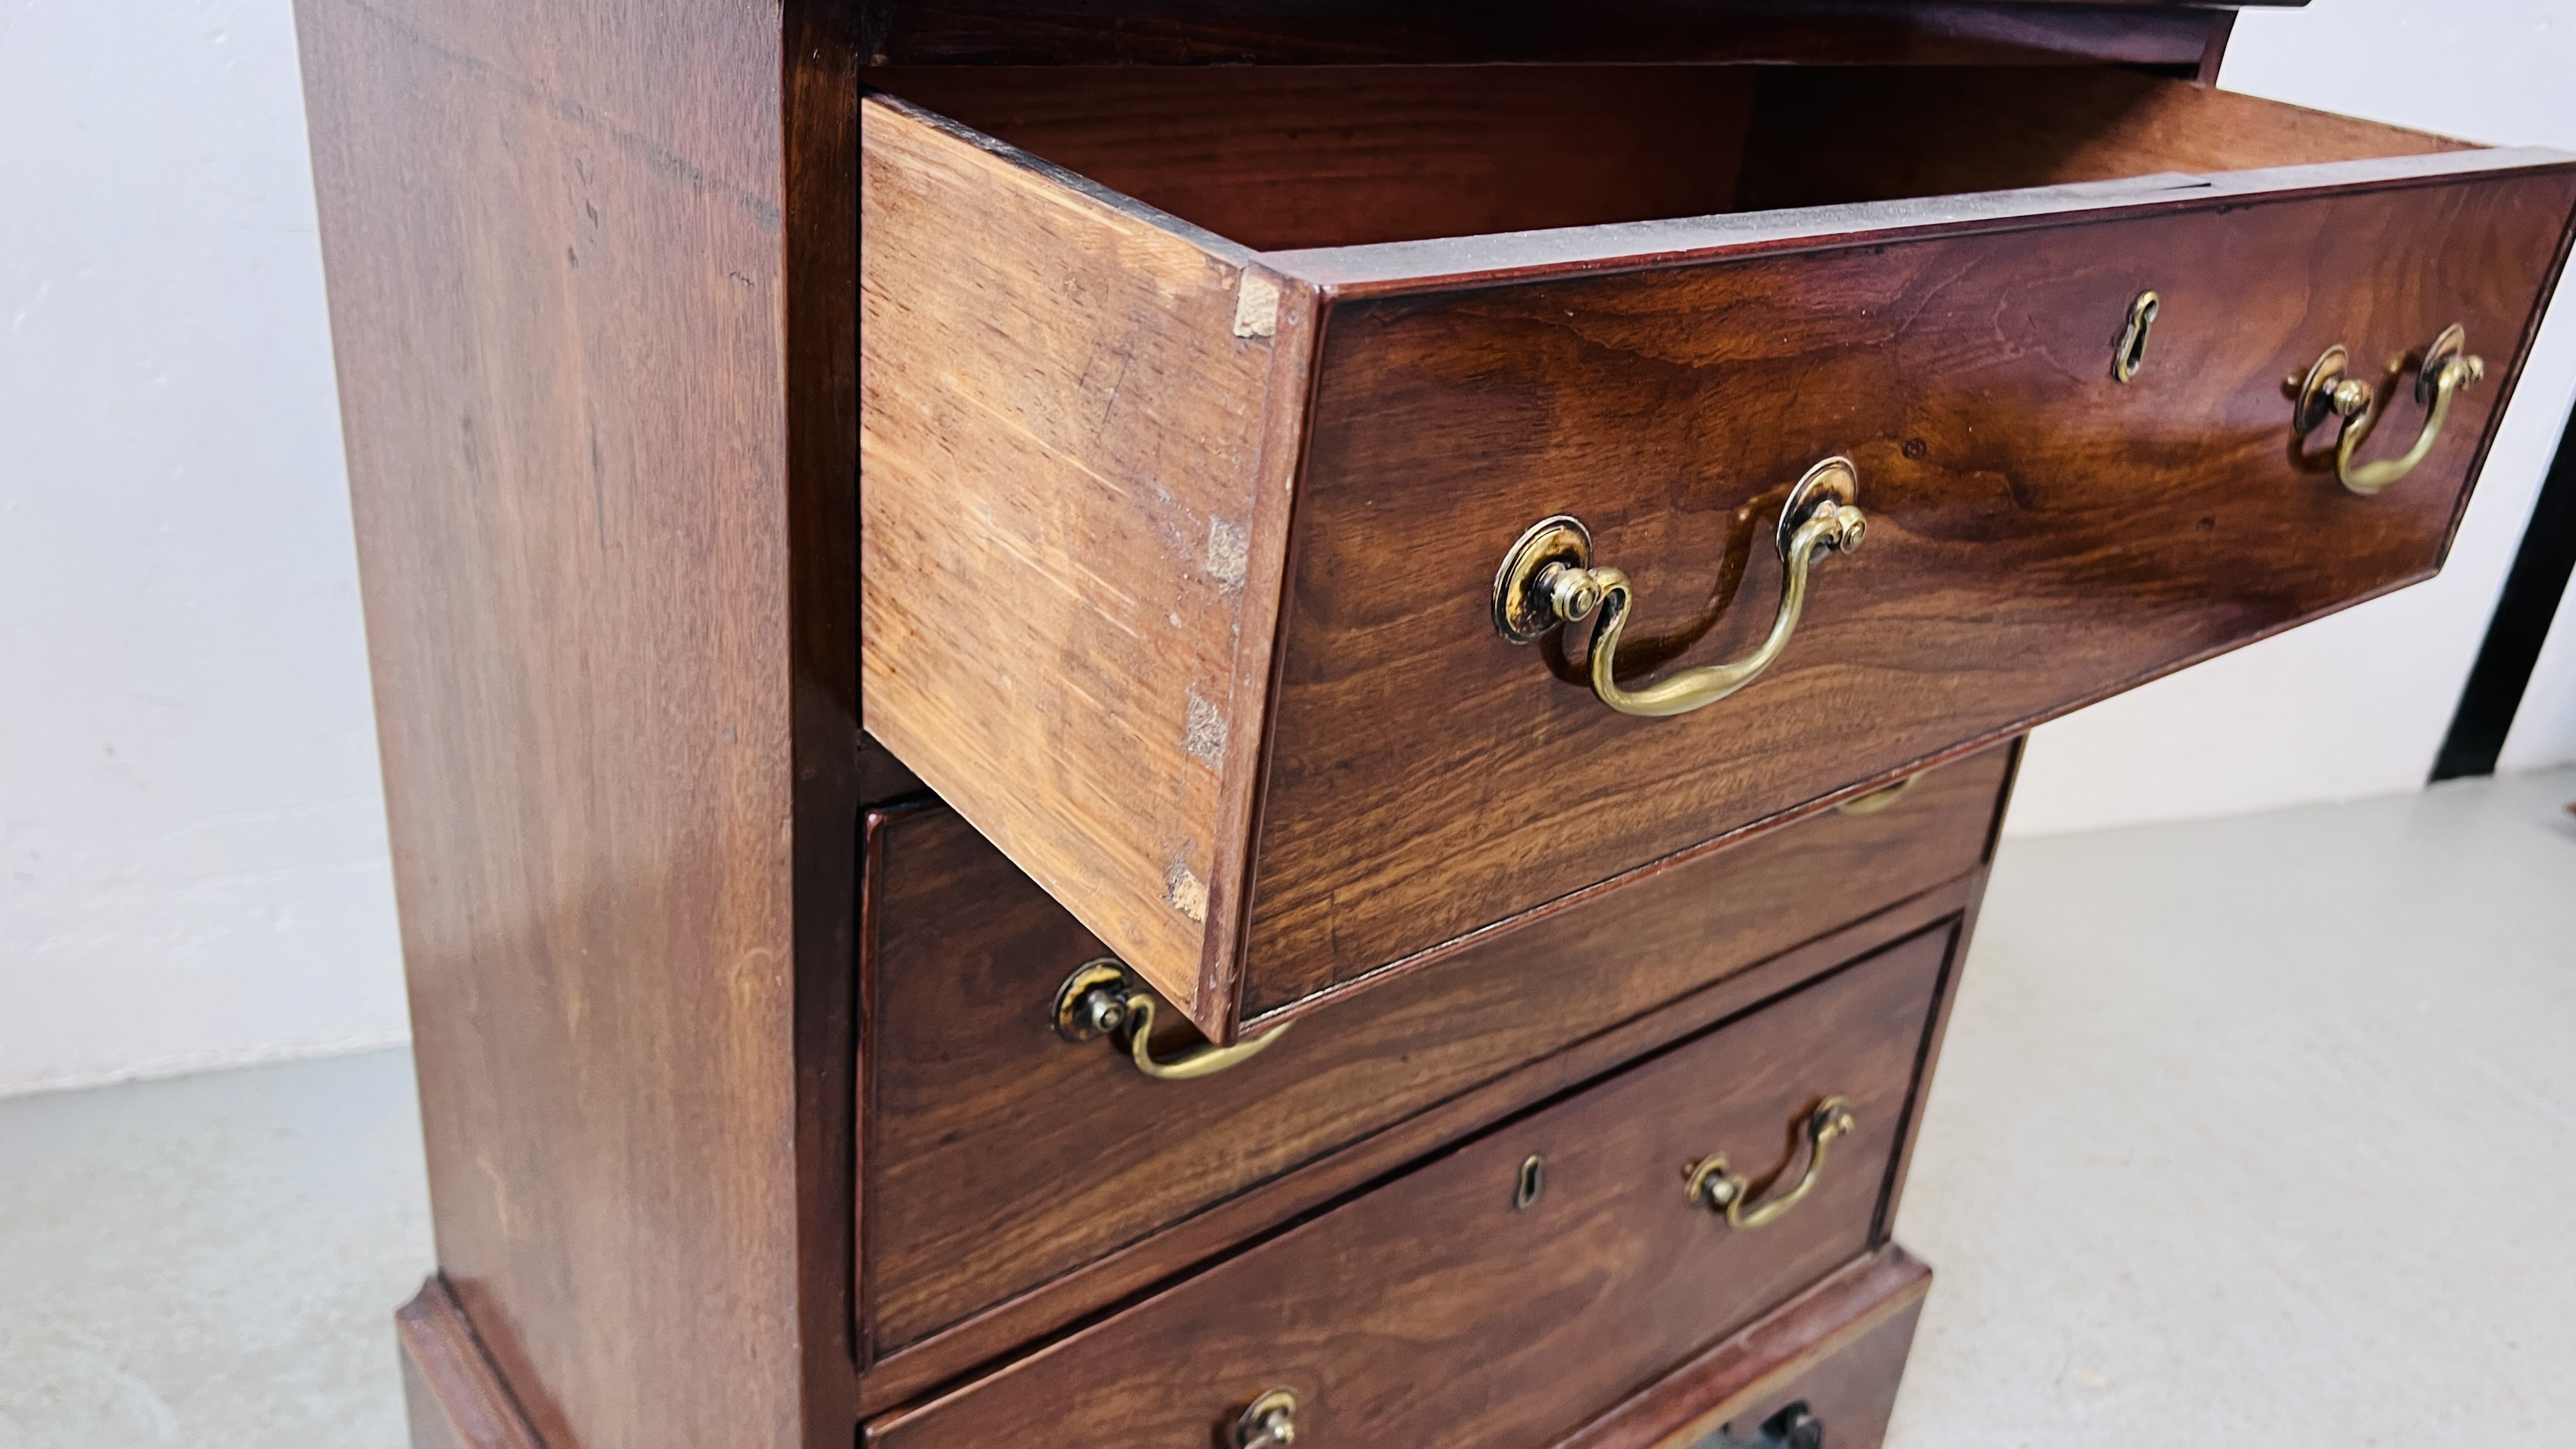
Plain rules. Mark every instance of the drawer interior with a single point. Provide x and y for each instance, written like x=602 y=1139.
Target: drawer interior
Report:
x=1286 y=158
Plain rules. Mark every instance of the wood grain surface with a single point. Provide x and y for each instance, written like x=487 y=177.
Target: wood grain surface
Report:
x=1839 y=1348
x=1076 y=433
x=560 y=258
x=2040 y=536
x=455 y=1398
x=1326 y=156
x=1317 y=156
x=1467 y=385
x=1886 y=133
x=1346 y=32
x=820 y=317
x=1203 y=1238
x=1432 y=1312
x=975 y=1093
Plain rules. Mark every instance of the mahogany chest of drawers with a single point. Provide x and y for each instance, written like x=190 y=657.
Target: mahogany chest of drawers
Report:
x=1222 y=724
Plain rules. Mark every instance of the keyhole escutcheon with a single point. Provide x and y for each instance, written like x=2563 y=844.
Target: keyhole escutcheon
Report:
x=1533 y=1181
x=2131 y=354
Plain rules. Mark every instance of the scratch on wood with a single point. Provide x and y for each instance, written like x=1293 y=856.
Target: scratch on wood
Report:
x=1229 y=552
x=1256 y=307
x=1205 y=735
x=1186 y=891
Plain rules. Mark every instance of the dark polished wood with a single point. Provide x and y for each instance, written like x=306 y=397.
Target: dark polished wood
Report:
x=882 y=777
x=720 y=380
x=1349 y=32
x=1207 y=1236
x=1839 y=1349
x=1329 y=156
x=456 y=1398
x=576 y=295
x=834 y=768
x=1886 y=133
x=2040 y=536
x=1570 y=1303
x=975 y=1095
x=1665 y=378
x=1313 y=156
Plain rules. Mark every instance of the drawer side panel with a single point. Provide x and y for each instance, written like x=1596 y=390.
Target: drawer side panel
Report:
x=1068 y=565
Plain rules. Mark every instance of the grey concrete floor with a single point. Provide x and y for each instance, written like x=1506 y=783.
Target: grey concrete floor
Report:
x=211 y=1261
x=2255 y=1131
x=2261 y=1131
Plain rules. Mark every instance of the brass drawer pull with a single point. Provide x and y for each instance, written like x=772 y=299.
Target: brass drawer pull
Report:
x=1271 y=1422
x=1547 y=579
x=2442 y=371
x=1878 y=799
x=1711 y=1185
x=1101 y=998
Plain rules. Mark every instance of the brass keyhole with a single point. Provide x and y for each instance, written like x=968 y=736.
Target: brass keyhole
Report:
x=2131 y=353
x=1533 y=1181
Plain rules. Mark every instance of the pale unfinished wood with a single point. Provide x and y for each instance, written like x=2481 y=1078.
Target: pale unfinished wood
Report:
x=1074 y=508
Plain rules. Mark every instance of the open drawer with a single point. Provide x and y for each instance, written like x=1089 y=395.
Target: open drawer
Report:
x=1250 y=484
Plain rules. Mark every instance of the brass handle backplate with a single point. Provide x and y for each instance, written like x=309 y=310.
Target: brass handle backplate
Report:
x=1271 y=1422
x=1102 y=998
x=1547 y=579
x=2441 y=370
x=1713 y=1186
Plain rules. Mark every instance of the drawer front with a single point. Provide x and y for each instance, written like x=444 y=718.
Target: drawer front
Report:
x=1183 y=508
x=1822 y=1369
x=974 y=1094
x=1840 y=1397
x=1457 y=1306
x=2039 y=533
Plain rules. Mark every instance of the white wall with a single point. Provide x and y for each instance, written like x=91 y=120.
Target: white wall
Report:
x=192 y=859
x=2357 y=704
x=192 y=848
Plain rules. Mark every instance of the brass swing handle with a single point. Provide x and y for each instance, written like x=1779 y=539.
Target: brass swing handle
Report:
x=1271 y=1422
x=1711 y=1185
x=2441 y=372
x=1101 y=999
x=1547 y=579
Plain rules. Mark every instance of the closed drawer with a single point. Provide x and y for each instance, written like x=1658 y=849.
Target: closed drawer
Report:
x=1508 y=1292
x=1183 y=527
x=1820 y=1372
x=974 y=1095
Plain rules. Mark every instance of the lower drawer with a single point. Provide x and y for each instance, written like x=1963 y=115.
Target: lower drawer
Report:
x=1820 y=1372
x=1506 y=1293
x=973 y=1095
